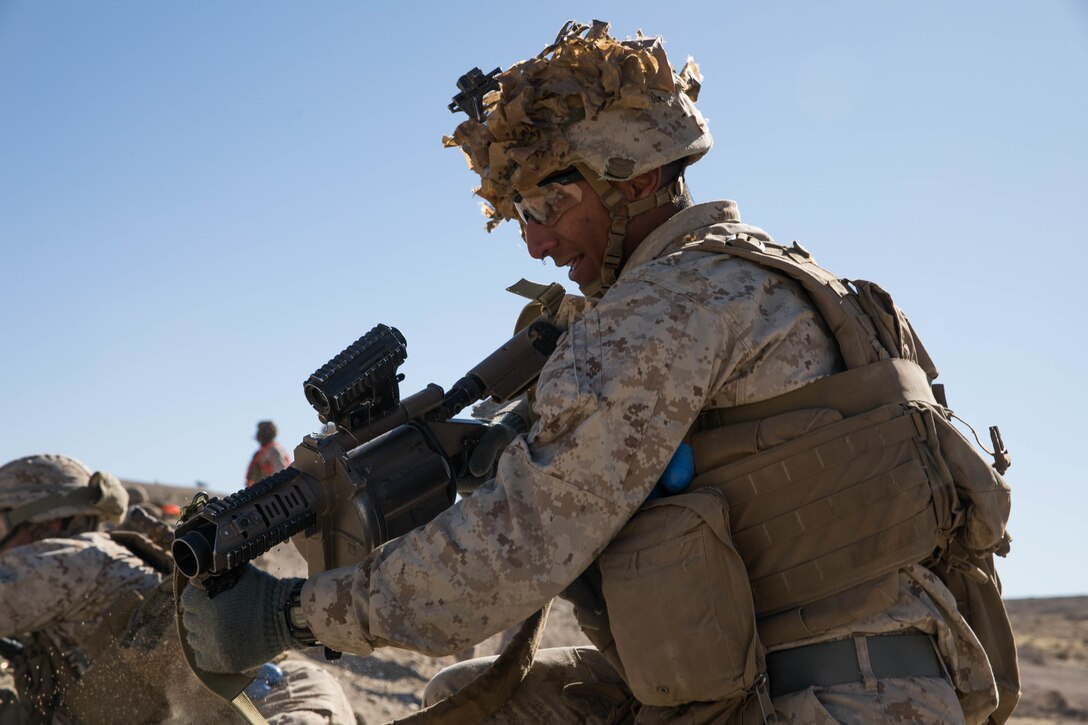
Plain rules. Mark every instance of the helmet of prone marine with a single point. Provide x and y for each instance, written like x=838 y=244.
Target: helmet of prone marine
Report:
x=39 y=488
x=603 y=109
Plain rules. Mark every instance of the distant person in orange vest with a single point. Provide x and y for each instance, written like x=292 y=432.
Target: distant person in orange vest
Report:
x=270 y=457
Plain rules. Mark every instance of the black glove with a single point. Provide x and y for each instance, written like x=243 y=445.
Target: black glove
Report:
x=242 y=627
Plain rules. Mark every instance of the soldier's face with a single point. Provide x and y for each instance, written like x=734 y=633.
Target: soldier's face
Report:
x=24 y=534
x=575 y=240
x=19 y=537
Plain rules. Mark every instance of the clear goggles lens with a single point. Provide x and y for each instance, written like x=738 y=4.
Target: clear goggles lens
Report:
x=549 y=200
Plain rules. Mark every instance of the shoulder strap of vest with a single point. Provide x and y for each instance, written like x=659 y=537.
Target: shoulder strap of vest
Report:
x=867 y=325
x=886 y=363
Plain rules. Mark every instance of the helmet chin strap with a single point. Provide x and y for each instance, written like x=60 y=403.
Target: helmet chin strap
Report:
x=620 y=212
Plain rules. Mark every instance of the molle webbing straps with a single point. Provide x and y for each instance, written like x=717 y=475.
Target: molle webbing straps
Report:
x=842 y=505
x=871 y=468
x=850 y=392
x=492 y=688
x=822 y=519
x=889 y=484
x=861 y=600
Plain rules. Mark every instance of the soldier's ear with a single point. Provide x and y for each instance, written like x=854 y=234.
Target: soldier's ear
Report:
x=643 y=185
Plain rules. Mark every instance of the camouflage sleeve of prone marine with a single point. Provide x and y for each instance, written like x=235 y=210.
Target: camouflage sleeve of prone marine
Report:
x=70 y=579
x=614 y=401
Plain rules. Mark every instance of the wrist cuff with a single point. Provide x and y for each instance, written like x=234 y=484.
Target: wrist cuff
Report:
x=296 y=619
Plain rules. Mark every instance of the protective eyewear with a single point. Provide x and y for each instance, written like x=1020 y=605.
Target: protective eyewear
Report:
x=550 y=199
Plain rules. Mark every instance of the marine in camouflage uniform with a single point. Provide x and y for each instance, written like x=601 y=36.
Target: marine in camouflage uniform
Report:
x=62 y=585
x=585 y=146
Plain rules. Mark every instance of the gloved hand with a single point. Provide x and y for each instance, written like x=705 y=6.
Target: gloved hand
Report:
x=502 y=429
x=242 y=627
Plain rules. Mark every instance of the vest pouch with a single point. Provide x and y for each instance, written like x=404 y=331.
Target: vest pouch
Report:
x=966 y=566
x=842 y=505
x=985 y=496
x=679 y=603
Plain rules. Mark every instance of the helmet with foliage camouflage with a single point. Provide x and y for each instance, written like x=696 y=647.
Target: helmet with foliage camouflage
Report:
x=48 y=486
x=610 y=109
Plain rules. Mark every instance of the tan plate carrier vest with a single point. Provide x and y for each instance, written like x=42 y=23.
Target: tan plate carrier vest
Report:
x=837 y=485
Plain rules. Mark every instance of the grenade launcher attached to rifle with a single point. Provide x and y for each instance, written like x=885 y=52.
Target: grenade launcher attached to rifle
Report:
x=391 y=464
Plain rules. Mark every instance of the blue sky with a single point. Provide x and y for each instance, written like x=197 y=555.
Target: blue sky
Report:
x=201 y=203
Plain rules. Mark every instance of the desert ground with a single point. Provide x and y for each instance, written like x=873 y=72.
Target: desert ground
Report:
x=1052 y=642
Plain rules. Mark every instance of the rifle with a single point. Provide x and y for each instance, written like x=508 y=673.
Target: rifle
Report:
x=389 y=466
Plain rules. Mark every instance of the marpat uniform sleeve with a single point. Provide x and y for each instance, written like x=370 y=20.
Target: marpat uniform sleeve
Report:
x=45 y=581
x=614 y=402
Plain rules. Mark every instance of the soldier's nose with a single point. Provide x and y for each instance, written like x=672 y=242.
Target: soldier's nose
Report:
x=539 y=240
